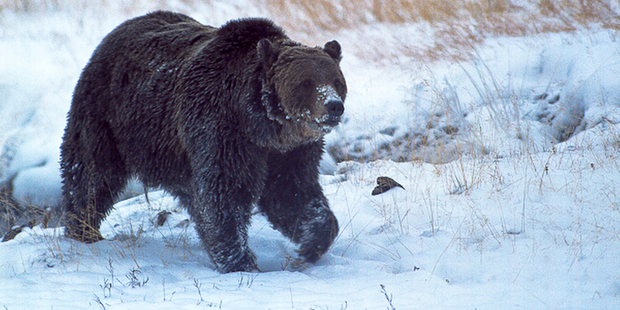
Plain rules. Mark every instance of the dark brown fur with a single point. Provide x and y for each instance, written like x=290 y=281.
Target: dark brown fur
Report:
x=221 y=118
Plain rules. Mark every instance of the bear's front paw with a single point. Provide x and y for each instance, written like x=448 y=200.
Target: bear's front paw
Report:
x=318 y=233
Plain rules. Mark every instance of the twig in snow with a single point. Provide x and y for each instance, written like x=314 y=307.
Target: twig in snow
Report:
x=98 y=301
x=388 y=297
x=198 y=285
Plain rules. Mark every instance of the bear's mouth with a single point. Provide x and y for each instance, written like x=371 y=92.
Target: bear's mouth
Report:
x=327 y=123
x=330 y=122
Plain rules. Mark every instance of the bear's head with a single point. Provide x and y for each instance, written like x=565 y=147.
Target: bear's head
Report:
x=303 y=87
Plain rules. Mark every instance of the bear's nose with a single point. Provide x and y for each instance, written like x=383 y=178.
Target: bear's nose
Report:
x=334 y=107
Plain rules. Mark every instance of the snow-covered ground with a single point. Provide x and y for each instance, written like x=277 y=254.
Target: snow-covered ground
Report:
x=510 y=164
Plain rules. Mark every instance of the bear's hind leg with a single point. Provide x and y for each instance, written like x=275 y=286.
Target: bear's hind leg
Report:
x=93 y=177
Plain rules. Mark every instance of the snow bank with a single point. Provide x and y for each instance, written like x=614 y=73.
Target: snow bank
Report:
x=531 y=240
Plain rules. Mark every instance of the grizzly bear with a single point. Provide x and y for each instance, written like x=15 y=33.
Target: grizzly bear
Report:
x=224 y=119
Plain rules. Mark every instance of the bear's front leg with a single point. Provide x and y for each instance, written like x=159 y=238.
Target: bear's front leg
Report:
x=294 y=203
x=227 y=178
x=222 y=227
x=222 y=218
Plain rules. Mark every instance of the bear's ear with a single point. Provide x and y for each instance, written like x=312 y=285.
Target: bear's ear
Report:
x=267 y=53
x=332 y=48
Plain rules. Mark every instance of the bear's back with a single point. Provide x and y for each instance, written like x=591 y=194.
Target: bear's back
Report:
x=160 y=32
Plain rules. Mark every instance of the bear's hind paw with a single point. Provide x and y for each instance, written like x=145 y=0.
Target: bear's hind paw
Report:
x=85 y=235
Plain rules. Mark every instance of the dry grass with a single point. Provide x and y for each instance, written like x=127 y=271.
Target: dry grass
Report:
x=24 y=6
x=456 y=24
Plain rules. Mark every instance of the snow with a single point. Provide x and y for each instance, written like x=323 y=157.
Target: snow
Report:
x=511 y=181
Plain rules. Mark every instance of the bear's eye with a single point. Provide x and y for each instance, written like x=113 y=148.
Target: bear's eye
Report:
x=307 y=84
x=338 y=85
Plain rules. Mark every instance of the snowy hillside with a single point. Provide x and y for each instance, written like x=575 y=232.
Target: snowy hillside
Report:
x=509 y=159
